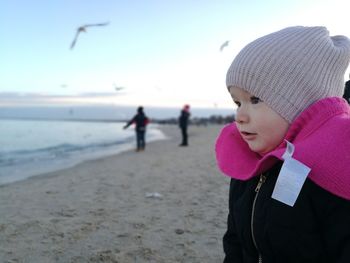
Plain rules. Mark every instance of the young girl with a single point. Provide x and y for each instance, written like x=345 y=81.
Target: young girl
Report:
x=288 y=153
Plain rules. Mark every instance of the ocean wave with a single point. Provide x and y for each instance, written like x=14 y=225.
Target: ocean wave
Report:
x=30 y=148
x=64 y=150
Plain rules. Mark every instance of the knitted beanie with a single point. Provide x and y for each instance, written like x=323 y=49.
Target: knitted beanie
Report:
x=292 y=68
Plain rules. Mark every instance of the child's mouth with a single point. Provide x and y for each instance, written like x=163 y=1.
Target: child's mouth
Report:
x=248 y=135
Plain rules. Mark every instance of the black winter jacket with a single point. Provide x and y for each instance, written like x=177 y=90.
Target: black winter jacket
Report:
x=346 y=94
x=183 y=119
x=315 y=229
x=140 y=120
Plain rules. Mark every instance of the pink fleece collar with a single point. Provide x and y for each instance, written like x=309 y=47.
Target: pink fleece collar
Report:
x=321 y=136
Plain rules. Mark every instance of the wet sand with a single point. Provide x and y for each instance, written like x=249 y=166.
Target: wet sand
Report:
x=167 y=204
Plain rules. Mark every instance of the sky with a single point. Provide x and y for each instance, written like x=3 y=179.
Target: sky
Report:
x=162 y=53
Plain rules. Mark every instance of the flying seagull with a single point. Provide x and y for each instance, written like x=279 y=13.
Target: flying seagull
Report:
x=225 y=44
x=83 y=29
x=118 y=88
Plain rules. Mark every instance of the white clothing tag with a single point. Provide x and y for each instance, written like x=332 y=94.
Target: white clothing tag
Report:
x=291 y=178
x=289 y=150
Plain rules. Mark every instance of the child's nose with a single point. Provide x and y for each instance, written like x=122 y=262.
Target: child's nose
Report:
x=242 y=116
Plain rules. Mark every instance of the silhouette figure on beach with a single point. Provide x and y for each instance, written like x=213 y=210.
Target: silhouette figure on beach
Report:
x=183 y=124
x=346 y=95
x=140 y=120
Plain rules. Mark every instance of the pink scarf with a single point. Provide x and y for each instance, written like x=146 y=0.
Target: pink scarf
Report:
x=321 y=136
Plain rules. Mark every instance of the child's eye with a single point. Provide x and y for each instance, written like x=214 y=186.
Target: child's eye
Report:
x=237 y=103
x=255 y=100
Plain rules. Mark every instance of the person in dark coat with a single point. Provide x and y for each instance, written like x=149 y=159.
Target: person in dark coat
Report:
x=287 y=153
x=140 y=120
x=183 y=124
x=346 y=94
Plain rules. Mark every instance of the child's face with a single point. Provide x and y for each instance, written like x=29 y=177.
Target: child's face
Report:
x=260 y=127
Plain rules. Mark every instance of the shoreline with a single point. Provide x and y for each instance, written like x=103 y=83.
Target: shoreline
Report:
x=24 y=171
x=167 y=204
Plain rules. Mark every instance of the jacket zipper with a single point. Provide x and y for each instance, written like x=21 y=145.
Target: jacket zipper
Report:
x=257 y=189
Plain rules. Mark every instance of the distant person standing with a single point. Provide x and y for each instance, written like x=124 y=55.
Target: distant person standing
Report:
x=183 y=123
x=347 y=91
x=140 y=120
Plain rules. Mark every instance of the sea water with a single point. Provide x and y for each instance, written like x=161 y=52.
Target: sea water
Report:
x=32 y=147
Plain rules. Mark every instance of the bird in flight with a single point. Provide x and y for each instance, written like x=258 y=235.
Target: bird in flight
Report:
x=225 y=44
x=118 y=88
x=83 y=29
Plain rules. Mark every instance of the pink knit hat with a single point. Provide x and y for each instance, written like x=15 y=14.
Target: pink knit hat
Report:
x=292 y=68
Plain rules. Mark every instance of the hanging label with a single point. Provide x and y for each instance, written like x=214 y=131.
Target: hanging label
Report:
x=290 y=179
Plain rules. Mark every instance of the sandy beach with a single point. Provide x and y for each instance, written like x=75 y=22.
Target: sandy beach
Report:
x=167 y=204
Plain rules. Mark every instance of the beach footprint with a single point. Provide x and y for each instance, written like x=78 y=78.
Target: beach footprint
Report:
x=65 y=213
